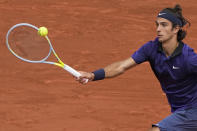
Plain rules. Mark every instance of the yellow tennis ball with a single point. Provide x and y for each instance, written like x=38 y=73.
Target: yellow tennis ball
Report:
x=42 y=31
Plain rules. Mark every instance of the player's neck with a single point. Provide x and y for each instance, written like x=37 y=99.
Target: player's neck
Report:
x=170 y=45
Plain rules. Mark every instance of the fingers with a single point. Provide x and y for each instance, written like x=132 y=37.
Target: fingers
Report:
x=85 y=77
x=82 y=80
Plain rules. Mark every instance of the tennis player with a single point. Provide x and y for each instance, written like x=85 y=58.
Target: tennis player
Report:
x=174 y=64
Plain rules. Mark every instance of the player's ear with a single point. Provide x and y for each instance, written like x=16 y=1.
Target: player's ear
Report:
x=176 y=29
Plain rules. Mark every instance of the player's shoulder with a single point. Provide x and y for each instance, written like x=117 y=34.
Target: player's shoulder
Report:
x=189 y=54
x=152 y=44
x=187 y=50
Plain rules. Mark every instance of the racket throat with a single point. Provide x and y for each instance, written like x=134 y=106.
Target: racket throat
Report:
x=61 y=62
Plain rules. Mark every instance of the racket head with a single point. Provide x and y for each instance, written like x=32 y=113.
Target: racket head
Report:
x=27 y=30
x=35 y=32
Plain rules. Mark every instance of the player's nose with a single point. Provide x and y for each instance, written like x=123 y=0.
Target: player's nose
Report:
x=158 y=28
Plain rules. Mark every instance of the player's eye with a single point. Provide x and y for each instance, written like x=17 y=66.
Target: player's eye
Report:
x=164 y=24
x=156 y=24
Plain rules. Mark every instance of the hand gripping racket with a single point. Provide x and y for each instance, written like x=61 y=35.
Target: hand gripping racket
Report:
x=25 y=43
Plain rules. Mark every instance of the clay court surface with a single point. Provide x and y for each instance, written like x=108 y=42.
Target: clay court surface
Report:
x=87 y=35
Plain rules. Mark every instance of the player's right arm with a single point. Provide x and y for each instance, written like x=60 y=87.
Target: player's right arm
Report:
x=109 y=71
x=141 y=55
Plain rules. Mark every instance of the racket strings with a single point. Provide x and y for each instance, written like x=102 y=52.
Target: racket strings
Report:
x=26 y=43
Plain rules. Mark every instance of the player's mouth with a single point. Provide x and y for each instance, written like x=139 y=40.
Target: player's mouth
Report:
x=159 y=36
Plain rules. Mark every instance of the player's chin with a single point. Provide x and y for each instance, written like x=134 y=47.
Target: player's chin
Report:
x=161 y=39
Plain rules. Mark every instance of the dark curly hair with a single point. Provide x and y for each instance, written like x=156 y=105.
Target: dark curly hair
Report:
x=177 y=11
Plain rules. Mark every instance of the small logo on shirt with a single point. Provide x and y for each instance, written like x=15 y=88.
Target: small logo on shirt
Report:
x=162 y=13
x=175 y=67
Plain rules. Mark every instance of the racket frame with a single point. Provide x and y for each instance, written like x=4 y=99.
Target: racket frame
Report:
x=60 y=64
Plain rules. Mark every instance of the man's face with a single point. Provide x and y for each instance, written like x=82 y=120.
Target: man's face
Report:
x=164 y=30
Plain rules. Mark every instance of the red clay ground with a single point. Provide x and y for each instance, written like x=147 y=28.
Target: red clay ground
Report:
x=87 y=34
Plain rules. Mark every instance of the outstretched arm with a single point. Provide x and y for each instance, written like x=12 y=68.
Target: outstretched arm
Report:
x=110 y=71
x=118 y=68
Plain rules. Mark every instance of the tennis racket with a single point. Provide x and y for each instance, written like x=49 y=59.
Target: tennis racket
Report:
x=25 y=43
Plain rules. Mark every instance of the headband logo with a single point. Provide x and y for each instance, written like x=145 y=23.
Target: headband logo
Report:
x=161 y=14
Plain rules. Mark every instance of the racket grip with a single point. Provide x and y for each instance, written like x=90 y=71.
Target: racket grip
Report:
x=73 y=72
